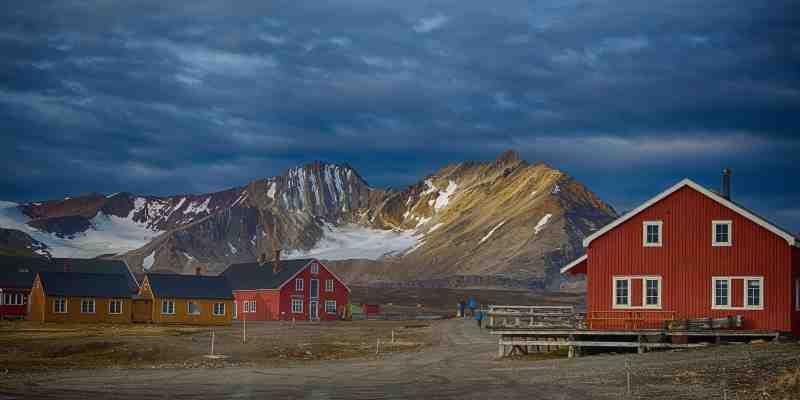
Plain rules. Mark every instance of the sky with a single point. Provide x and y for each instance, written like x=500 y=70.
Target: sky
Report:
x=167 y=97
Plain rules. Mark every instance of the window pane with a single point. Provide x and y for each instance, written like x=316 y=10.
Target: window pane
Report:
x=652 y=292
x=622 y=292
x=721 y=293
x=754 y=293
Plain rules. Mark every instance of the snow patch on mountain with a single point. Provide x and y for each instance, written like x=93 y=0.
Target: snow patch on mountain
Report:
x=488 y=235
x=148 y=261
x=271 y=191
x=435 y=227
x=109 y=234
x=353 y=241
x=195 y=208
x=542 y=223
x=444 y=197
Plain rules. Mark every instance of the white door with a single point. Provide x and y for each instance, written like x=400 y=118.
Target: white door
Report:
x=313 y=313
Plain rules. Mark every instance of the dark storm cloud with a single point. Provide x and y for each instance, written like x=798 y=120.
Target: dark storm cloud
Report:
x=628 y=96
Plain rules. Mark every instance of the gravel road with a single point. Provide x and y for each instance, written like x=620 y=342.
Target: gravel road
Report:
x=461 y=364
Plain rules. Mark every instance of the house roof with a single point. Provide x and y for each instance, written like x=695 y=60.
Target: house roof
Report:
x=19 y=272
x=79 y=284
x=251 y=276
x=790 y=238
x=580 y=260
x=190 y=286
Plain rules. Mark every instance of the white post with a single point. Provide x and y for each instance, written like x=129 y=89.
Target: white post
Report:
x=212 y=342
x=378 y=346
x=244 y=331
x=392 y=336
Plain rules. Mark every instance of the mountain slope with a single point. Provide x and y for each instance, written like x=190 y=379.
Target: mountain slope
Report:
x=506 y=219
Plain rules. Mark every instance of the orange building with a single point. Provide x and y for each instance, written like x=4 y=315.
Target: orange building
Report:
x=80 y=297
x=187 y=299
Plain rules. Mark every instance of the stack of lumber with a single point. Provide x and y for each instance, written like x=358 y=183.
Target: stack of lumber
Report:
x=706 y=324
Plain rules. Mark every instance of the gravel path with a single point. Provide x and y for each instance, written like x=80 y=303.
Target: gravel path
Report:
x=461 y=364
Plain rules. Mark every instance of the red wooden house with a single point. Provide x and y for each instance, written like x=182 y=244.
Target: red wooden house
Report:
x=303 y=289
x=691 y=253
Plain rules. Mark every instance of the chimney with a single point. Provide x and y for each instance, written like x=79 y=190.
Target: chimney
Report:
x=198 y=271
x=726 y=183
x=276 y=262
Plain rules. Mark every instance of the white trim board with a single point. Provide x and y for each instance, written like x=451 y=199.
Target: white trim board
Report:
x=713 y=196
x=306 y=266
x=574 y=263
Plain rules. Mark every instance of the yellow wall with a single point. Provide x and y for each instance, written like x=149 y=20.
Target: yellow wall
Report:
x=42 y=309
x=182 y=316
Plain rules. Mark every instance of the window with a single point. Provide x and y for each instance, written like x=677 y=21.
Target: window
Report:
x=168 y=307
x=298 y=285
x=115 y=306
x=754 y=292
x=250 y=306
x=329 y=285
x=60 y=305
x=219 y=308
x=87 y=306
x=652 y=292
x=622 y=292
x=722 y=234
x=315 y=268
x=192 y=308
x=721 y=292
x=652 y=233
x=797 y=294
x=13 y=299
x=297 y=306
x=330 y=306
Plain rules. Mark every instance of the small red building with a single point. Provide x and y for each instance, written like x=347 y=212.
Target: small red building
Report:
x=302 y=289
x=691 y=253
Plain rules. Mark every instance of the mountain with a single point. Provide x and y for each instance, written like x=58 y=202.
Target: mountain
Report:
x=504 y=222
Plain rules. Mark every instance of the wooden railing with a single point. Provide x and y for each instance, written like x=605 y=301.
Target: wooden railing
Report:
x=530 y=317
x=629 y=319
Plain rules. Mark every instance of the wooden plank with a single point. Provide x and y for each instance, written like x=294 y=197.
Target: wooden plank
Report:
x=564 y=332
x=581 y=343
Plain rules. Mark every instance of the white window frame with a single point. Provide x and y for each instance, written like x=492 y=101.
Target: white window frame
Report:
x=644 y=292
x=215 y=309
x=55 y=302
x=614 y=291
x=298 y=285
x=660 y=225
x=329 y=285
x=730 y=280
x=329 y=303
x=13 y=299
x=315 y=268
x=714 y=305
x=297 y=306
x=249 y=306
x=797 y=294
x=189 y=309
x=760 y=280
x=714 y=241
x=87 y=301
x=170 y=303
x=110 y=308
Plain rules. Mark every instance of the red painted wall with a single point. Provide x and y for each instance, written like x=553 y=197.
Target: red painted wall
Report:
x=9 y=311
x=796 y=314
x=687 y=261
x=274 y=304
x=340 y=294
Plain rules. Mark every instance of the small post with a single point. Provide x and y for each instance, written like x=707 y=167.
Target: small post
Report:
x=628 y=374
x=501 y=349
x=378 y=346
x=292 y=322
x=212 y=342
x=392 y=336
x=244 y=331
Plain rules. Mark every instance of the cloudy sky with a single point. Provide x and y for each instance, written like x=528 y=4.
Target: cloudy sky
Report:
x=164 y=97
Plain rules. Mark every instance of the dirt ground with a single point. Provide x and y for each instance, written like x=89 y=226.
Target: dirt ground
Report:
x=454 y=360
x=29 y=347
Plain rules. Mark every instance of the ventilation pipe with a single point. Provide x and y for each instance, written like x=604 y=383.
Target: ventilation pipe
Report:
x=726 y=183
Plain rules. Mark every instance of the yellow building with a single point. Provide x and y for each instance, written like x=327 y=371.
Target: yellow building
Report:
x=80 y=297
x=188 y=299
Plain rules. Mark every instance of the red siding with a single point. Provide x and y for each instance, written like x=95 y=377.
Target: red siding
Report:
x=687 y=261
x=276 y=304
x=14 y=311
x=796 y=314
x=288 y=292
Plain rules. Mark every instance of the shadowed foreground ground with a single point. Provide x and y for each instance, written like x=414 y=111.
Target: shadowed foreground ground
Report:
x=460 y=363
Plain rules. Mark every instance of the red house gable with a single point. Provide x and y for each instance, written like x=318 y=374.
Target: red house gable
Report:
x=690 y=253
x=297 y=289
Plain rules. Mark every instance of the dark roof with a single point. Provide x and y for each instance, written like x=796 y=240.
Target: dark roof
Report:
x=189 y=286
x=18 y=272
x=249 y=276
x=78 y=284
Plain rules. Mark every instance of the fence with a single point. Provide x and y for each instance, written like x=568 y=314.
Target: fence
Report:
x=629 y=320
x=532 y=317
